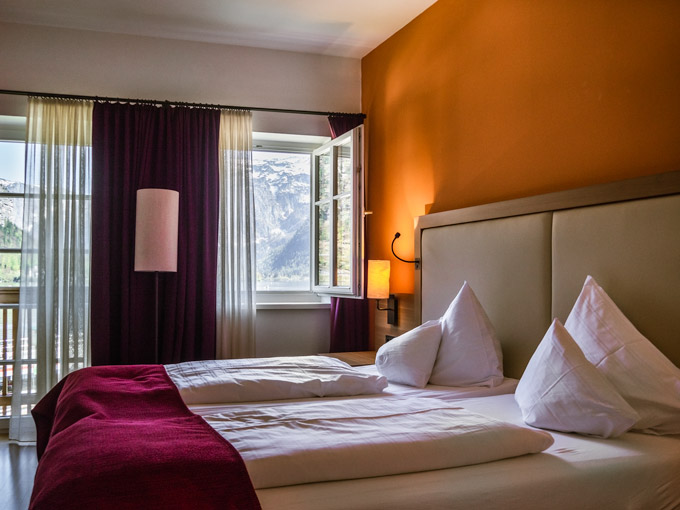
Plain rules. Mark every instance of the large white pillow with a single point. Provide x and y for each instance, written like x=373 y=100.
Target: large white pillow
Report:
x=408 y=358
x=469 y=352
x=561 y=390
x=641 y=374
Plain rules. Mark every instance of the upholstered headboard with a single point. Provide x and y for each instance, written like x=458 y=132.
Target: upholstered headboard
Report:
x=527 y=260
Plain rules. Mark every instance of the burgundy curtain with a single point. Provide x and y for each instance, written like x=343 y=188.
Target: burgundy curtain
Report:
x=145 y=146
x=350 y=325
x=341 y=123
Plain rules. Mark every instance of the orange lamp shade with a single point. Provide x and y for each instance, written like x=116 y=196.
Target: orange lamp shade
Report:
x=378 y=286
x=156 y=230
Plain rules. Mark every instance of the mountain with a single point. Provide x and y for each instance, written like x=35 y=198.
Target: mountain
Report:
x=282 y=218
x=11 y=212
x=11 y=209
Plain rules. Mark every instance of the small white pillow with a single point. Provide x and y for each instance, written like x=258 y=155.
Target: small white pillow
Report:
x=641 y=374
x=408 y=359
x=561 y=390
x=469 y=352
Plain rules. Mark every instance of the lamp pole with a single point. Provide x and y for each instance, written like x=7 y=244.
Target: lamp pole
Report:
x=156 y=233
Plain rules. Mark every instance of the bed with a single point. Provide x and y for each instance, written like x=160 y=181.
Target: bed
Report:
x=527 y=261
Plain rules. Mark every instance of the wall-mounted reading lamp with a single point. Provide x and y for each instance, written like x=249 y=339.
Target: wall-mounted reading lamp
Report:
x=416 y=261
x=378 y=287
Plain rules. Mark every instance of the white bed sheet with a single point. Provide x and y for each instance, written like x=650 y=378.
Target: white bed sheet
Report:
x=633 y=472
x=448 y=393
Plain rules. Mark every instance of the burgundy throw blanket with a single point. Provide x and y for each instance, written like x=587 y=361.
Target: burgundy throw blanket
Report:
x=120 y=437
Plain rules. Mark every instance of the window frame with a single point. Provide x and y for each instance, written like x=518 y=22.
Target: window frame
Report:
x=356 y=277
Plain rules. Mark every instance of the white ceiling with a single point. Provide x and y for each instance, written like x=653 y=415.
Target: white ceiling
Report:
x=348 y=28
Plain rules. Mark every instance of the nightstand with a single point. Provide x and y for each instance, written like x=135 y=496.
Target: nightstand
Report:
x=354 y=359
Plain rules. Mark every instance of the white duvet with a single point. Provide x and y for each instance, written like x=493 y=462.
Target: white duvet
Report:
x=290 y=443
x=258 y=379
x=286 y=442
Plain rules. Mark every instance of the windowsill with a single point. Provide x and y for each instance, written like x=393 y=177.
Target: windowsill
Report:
x=292 y=306
x=292 y=300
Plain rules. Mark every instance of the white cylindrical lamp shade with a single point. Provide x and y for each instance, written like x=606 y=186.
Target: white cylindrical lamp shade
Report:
x=156 y=230
x=378 y=286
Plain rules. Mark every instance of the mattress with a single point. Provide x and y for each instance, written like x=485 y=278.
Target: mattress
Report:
x=633 y=471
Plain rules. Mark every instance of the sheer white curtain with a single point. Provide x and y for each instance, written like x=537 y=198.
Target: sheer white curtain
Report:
x=54 y=315
x=236 y=239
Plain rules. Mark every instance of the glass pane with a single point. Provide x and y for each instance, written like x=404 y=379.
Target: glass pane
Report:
x=281 y=181
x=12 y=156
x=343 y=242
x=10 y=265
x=11 y=213
x=323 y=247
x=323 y=181
x=344 y=156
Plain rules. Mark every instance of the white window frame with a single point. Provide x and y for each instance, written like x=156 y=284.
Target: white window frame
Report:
x=355 y=288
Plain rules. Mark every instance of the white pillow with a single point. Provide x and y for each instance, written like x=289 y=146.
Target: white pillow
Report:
x=469 y=352
x=408 y=359
x=641 y=374
x=561 y=390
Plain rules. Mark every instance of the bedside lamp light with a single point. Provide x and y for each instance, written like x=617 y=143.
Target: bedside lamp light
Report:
x=378 y=287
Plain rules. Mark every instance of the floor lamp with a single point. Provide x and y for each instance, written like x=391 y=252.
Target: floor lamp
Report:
x=156 y=238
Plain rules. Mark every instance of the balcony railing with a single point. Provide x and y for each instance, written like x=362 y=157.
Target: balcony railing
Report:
x=9 y=322
x=26 y=347
x=11 y=346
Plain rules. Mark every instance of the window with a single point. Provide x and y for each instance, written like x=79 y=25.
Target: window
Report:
x=286 y=196
x=11 y=212
x=338 y=215
x=282 y=166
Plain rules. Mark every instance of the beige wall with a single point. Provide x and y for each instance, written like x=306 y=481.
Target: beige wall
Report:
x=92 y=63
x=292 y=332
x=477 y=101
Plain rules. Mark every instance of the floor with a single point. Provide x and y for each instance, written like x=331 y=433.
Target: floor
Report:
x=17 y=469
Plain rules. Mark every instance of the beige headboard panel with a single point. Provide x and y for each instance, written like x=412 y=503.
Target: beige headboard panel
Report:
x=527 y=259
x=507 y=264
x=632 y=249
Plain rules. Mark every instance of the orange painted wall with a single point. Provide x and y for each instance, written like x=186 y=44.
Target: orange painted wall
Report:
x=477 y=101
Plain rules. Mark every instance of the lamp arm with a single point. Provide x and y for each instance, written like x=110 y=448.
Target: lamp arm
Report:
x=392 y=309
x=416 y=261
x=390 y=305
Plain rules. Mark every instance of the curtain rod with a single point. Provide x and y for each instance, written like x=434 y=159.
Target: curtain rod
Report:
x=172 y=103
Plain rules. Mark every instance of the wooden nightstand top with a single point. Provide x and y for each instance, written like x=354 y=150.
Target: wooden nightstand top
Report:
x=355 y=359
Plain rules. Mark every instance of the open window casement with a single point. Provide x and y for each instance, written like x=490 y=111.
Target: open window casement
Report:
x=337 y=216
